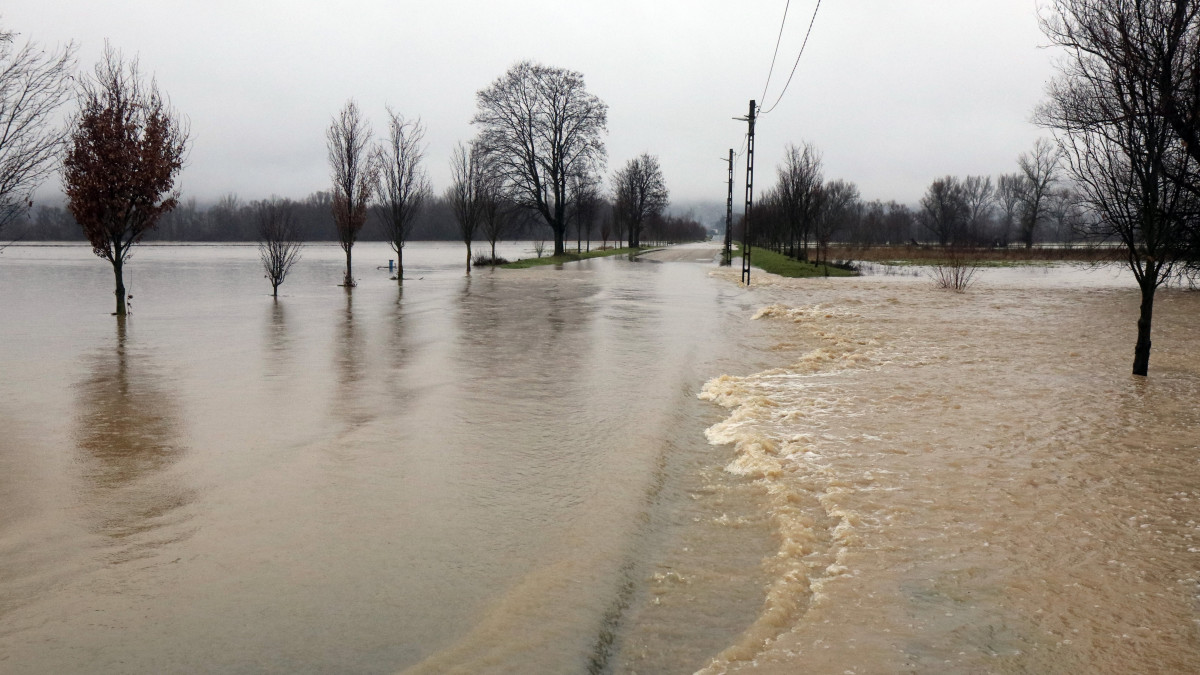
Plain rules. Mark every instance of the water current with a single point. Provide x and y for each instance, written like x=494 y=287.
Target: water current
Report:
x=617 y=466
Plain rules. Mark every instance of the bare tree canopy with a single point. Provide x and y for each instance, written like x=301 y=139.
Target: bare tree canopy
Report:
x=33 y=85
x=980 y=196
x=465 y=193
x=944 y=210
x=278 y=242
x=585 y=204
x=799 y=195
x=540 y=126
x=348 y=139
x=126 y=149
x=841 y=206
x=1009 y=189
x=403 y=186
x=1039 y=169
x=639 y=194
x=497 y=214
x=1124 y=60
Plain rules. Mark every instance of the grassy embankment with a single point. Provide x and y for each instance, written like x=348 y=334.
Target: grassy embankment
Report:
x=777 y=263
x=569 y=257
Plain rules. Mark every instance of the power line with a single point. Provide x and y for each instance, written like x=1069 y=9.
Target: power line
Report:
x=778 y=39
x=797 y=63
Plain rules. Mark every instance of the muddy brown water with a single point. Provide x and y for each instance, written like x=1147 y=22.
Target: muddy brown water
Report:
x=617 y=466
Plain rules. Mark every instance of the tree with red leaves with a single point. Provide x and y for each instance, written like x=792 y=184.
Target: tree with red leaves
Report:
x=125 y=151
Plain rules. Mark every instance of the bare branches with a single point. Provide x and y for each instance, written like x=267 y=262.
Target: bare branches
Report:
x=540 y=126
x=348 y=137
x=278 y=241
x=465 y=193
x=33 y=85
x=403 y=187
x=1119 y=108
x=944 y=210
x=639 y=194
x=799 y=195
x=126 y=150
x=1039 y=171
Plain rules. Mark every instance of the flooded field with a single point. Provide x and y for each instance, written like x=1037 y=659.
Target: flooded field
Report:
x=512 y=473
x=973 y=483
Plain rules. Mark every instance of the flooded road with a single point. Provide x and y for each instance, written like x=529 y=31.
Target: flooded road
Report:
x=511 y=473
x=477 y=474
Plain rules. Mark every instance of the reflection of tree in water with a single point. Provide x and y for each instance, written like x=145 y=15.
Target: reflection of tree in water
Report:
x=278 y=341
x=348 y=400
x=127 y=435
x=400 y=353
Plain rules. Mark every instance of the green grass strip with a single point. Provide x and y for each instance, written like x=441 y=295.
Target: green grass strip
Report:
x=568 y=257
x=777 y=263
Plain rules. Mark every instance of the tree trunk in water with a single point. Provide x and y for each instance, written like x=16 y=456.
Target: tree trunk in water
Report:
x=349 y=280
x=400 y=265
x=468 y=258
x=1141 y=353
x=274 y=290
x=560 y=234
x=120 y=292
x=493 y=253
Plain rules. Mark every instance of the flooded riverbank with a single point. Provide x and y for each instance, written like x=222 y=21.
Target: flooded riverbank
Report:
x=511 y=474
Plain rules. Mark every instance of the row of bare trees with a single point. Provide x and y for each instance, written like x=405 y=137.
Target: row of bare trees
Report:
x=802 y=213
x=1024 y=206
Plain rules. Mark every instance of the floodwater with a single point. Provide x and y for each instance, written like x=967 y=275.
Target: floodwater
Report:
x=619 y=466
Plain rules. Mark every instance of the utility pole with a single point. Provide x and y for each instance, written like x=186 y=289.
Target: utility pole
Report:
x=727 y=253
x=749 y=193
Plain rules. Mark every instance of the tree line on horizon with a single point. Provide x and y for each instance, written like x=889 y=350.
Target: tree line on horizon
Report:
x=802 y=213
x=233 y=219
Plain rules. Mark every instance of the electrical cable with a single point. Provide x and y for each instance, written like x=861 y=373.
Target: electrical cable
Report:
x=797 y=63
x=778 y=39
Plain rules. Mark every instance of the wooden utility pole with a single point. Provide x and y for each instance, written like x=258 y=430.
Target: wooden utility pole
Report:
x=749 y=193
x=727 y=253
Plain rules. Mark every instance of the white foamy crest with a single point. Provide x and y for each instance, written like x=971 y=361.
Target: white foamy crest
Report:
x=775 y=429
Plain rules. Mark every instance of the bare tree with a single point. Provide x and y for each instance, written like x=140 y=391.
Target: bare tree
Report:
x=1125 y=155
x=639 y=194
x=606 y=228
x=1039 y=169
x=278 y=241
x=840 y=206
x=1063 y=209
x=465 y=192
x=800 y=196
x=33 y=85
x=980 y=198
x=348 y=139
x=403 y=186
x=540 y=126
x=126 y=149
x=496 y=212
x=944 y=210
x=1009 y=190
x=585 y=202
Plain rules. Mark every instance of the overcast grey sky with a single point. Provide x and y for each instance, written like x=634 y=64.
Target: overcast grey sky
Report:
x=893 y=92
